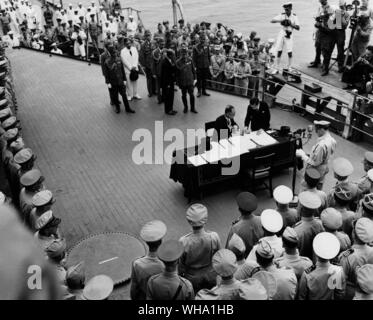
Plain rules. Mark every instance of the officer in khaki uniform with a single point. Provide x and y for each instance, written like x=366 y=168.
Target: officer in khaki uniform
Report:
x=364 y=283
x=342 y=169
x=332 y=222
x=365 y=182
x=359 y=254
x=32 y=182
x=343 y=195
x=285 y=277
x=321 y=151
x=200 y=245
x=56 y=253
x=311 y=180
x=283 y=196
x=145 y=267
x=98 y=288
x=75 y=282
x=42 y=202
x=168 y=285
x=323 y=281
x=309 y=226
x=225 y=265
x=272 y=224
x=291 y=257
x=248 y=226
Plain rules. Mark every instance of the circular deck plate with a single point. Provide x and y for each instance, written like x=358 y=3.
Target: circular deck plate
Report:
x=107 y=253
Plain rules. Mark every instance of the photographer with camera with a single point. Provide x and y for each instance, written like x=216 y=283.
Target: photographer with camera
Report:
x=361 y=38
x=289 y=22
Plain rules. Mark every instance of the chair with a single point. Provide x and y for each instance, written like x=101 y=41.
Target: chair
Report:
x=210 y=129
x=210 y=125
x=261 y=171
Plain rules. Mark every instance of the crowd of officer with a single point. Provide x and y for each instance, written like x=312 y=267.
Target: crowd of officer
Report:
x=320 y=250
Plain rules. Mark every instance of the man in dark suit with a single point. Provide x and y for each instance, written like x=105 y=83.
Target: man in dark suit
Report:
x=225 y=123
x=115 y=78
x=103 y=57
x=257 y=115
x=168 y=79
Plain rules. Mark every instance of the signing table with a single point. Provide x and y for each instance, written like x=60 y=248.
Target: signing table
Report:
x=197 y=169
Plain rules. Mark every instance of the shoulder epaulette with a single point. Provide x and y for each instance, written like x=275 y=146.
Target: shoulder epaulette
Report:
x=310 y=269
x=348 y=252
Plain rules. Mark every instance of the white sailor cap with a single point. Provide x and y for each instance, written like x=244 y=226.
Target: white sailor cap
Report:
x=10 y=32
x=321 y=123
x=98 y=288
x=326 y=245
x=42 y=198
x=287 y=4
x=54 y=44
x=130 y=16
x=342 y=167
x=197 y=215
x=44 y=219
x=237 y=243
x=271 y=220
x=283 y=195
x=153 y=231
x=224 y=262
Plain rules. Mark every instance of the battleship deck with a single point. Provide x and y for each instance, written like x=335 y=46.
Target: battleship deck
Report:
x=85 y=150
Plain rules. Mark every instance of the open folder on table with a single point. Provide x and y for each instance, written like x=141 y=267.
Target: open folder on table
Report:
x=262 y=139
x=197 y=160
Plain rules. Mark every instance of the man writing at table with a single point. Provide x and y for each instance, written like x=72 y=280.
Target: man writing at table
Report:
x=225 y=124
x=257 y=115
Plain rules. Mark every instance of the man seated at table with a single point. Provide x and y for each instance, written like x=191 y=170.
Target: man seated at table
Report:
x=257 y=115
x=225 y=124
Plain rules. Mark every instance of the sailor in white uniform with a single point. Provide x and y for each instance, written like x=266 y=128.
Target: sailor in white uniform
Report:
x=289 y=22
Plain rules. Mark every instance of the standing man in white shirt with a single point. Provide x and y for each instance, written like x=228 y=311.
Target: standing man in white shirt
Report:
x=131 y=26
x=130 y=59
x=289 y=22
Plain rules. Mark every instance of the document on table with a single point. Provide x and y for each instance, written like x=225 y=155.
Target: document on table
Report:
x=262 y=139
x=197 y=160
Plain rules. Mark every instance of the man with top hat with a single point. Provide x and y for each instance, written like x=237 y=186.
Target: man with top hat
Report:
x=332 y=222
x=199 y=247
x=285 y=277
x=75 y=282
x=186 y=79
x=321 y=151
x=359 y=254
x=291 y=257
x=343 y=196
x=248 y=226
x=42 y=202
x=289 y=22
x=115 y=78
x=365 y=182
x=364 y=283
x=168 y=285
x=145 y=59
x=56 y=253
x=342 y=169
x=168 y=79
x=272 y=223
x=32 y=182
x=323 y=281
x=145 y=267
x=283 y=196
x=225 y=265
x=99 y=287
x=309 y=226
x=202 y=61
